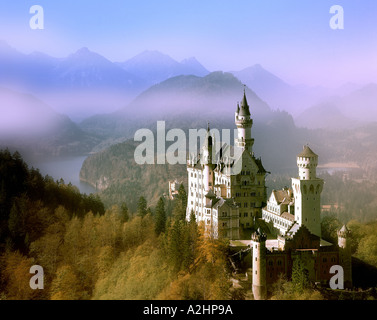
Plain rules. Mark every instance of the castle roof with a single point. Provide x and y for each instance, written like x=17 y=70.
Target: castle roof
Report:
x=261 y=169
x=307 y=152
x=282 y=196
x=244 y=109
x=220 y=201
x=288 y=216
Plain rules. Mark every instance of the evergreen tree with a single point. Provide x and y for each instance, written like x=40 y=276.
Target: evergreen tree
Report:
x=192 y=217
x=182 y=196
x=160 y=217
x=142 y=207
x=175 y=244
x=300 y=277
x=124 y=212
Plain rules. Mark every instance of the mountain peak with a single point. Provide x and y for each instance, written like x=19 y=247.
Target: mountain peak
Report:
x=83 y=51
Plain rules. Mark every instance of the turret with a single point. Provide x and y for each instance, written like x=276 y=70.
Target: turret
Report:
x=307 y=162
x=259 y=264
x=244 y=123
x=345 y=259
x=308 y=188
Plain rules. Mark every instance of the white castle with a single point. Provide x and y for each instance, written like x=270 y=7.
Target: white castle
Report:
x=301 y=204
x=227 y=192
x=229 y=200
x=224 y=198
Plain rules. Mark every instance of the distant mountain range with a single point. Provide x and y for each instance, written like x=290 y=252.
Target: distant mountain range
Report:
x=154 y=67
x=85 y=83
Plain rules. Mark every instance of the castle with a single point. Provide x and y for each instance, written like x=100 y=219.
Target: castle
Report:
x=286 y=227
x=223 y=197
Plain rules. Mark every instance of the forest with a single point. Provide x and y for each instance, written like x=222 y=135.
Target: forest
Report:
x=89 y=251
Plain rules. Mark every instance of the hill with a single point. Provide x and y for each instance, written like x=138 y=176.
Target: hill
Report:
x=34 y=128
x=190 y=96
x=325 y=116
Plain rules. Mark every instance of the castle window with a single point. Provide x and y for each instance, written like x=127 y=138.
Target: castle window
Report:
x=245 y=214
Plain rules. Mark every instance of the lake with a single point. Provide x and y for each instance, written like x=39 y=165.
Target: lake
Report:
x=67 y=168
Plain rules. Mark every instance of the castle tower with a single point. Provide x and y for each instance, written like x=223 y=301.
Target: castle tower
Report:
x=345 y=259
x=207 y=161
x=244 y=123
x=307 y=189
x=259 y=264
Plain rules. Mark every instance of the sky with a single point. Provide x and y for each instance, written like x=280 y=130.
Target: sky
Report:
x=291 y=38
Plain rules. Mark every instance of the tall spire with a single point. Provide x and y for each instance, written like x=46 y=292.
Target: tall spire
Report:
x=244 y=111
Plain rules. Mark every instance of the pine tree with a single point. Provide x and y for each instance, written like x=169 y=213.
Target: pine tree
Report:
x=160 y=217
x=300 y=278
x=124 y=212
x=142 y=207
x=182 y=196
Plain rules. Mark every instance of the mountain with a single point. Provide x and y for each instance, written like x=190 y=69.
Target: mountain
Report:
x=32 y=127
x=186 y=97
x=85 y=83
x=278 y=93
x=361 y=104
x=325 y=116
x=342 y=112
x=154 y=67
x=81 y=84
x=85 y=69
x=190 y=102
